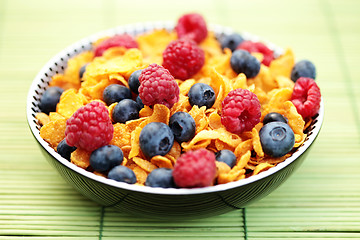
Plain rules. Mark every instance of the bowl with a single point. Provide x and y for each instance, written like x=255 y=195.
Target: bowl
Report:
x=159 y=202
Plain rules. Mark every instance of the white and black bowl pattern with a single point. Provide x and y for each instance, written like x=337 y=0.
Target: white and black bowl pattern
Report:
x=158 y=202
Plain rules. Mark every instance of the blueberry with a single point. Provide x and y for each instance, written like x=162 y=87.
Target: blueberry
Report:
x=106 y=157
x=201 y=94
x=122 y=174
x=125 y=110
x=242 y=61
x=160 y=177
x=303 y=68
x=156 y=138
x=183 y=126
x=50 y=99
x=139 y=102
x=134 y=81
x=277 y=139
x=115 y=93
x=64 y=149
x=231 y=41
x=82 y=70
x=227 y=157
x=274 y=117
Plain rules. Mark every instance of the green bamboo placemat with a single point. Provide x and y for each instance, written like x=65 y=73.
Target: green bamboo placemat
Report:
x=320 y=201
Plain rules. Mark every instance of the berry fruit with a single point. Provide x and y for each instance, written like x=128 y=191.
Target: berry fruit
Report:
x=201 y=94
x=82 y=71
x=192 y=26
x=115 y=93
x=123 y=40
x=122 y=174
x=160 y=177
x=306 y=97
x=259 y=47
x=277 y=139
x=125 y=110
x=139 y=102
x=158 y=86
x=89 y=127
x=106 y=157
x=183 y=126
x=195 y=169
x=231 y=41
x=227 y=157
x=303 y=68
x=274 y=117
x=183 y=58
x=156 y=138
x=242 y=61
x=50 y=99
x=64 y=149
x=240 y=111
x=133 y=81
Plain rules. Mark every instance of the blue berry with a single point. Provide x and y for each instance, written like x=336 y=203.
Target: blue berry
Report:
x=183 y=126
x=125 y=110
x=242 y=61
x=274 y=117
x=106 y=157
x=231 y=41
x=134 y=82
x=50 y=99
x=115 y=93
x=82 y=70
x=303 y=68
x=122 y=174
x=156 y=138
x=139 y=102
x=277 y=139
x=160 y=177
x=227 y=157
x=64 y=149
x=201 y=94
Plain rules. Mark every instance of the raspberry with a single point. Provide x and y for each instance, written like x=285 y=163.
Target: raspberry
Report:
x=195 y=169
x=183 y=58
x=240 y=111
x=89 y=127
x=157 y=85
x=260 y=48
x=123 y=40
x=192 y=26
x=306 y=97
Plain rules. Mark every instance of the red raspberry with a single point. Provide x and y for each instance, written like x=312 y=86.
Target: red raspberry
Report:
x=89 y=127
x=183 y=58
x=157 y=85
x=260 y=48
x=195 y=169
x=240 y=111
x=192 y=26
x=306 y=97
x=123 y=40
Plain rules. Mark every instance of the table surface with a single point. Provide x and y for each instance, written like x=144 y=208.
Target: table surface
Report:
x=320 y=200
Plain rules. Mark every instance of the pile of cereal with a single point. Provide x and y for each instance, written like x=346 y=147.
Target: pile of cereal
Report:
x=179 y=108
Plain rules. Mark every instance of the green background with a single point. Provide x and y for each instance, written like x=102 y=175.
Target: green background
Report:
x=321 y=200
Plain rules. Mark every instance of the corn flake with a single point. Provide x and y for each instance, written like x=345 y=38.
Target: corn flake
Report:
x=80 y=158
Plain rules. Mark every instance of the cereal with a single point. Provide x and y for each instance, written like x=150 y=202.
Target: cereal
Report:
x=272 y=86
x=70 y=101
x=81 y=158
x=54 y=131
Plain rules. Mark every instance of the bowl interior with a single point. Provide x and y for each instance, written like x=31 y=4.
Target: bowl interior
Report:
x=58 y=64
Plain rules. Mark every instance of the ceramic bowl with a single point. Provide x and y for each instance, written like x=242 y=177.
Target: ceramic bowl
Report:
x=158 y=202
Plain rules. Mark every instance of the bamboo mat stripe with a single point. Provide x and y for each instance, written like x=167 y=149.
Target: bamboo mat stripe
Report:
x=339 y=48
x=320 y=201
